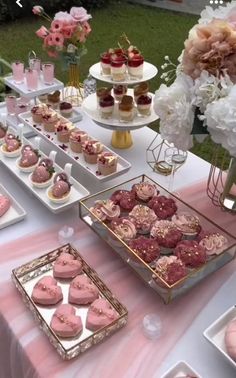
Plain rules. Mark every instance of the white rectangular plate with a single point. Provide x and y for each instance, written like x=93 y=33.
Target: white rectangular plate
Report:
x=180 y=370
x=42 y=88
x=77 y=190
x=216 y=331
x=122 y=166
x=15 y=214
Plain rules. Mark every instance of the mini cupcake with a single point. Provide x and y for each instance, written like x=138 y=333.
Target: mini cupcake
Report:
x=124 y=228
x=191 y=253
x=42 y=174
x=188 y=224
x=91 y=149
x=106 y=210
x=170 y=269
x=163 y=207
x=144 y=103
x=50 y=118
x=213 y=243
x=106 y=105
x=140 y=89
x=37 y=112
x=166 y=234
x=125 y=199
x=119 y=91
x=76 y=139
x=63 y=132
x=126 y=109
x=3 y=132
x=54 y=99
x=107 y=163
x=29 y=159
x=66 y=109
x=59 y=192
x=143 y=218
x=145 y=191
x=11 y=146
x=102 y=92
x=147 y=249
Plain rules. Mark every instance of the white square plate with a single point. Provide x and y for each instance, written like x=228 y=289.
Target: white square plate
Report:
x=216 y=331
x=180 y=370
x=15 y=213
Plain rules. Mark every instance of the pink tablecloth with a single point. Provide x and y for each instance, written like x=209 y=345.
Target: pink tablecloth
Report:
x=25 y=350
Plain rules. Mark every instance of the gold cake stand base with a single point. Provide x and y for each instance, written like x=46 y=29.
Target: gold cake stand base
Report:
x=121 y=139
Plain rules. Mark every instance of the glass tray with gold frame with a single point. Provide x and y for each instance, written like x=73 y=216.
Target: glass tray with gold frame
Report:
x=144 y=270
x=26 y=276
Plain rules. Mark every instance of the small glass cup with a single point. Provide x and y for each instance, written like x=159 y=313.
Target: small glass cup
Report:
x=31 y=79
x=48 y=73
x=18 y=72
x=118 y=68
x=35 y=64
x=11 y=104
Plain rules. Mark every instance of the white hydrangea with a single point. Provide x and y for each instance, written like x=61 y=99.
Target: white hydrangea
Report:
x=221 y=12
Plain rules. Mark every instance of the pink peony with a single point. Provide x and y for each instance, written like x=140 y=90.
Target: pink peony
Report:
x=65 y=17
x=37 y=9
x=68 y=31
x=56 y=25
x=42 y=32
x=80 y=14
x=48 y=41
x=58 y=39
x=212 y=48
x=86 y=27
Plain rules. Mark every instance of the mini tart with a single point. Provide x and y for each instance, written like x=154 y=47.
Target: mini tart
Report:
x=28 y=156
x=76 y=139
x=124 y=228
x=125 y=199
x=163 y=207
x=166 y=234
x=59 y=192
x=191 y=253
x=66 y=109
x=107 y=163
x=145 y=191
x=143 y=218
x=91 y=149
x=147 y=249
x=214 y=243
x=44 y=169
x=187 y=223
x=126 y=108
x=170 y=269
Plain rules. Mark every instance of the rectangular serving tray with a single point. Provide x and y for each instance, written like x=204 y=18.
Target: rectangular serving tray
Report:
x=15 y=213
x=13 y=121
x=180 y=370
x=122 y=167
x=144 y=270
x=78 y=191
x=26 y=276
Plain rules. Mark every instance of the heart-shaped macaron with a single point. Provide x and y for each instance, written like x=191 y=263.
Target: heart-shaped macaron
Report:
x=65 y=322
x=82 y=290
x=4 y=204
x=100 y=314
x=66 y=266
x=46 y=291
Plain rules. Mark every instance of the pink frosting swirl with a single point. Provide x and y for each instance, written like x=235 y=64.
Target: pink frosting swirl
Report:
x=108 y=208
x=96 y=210
x=124 y=228
x=187 y=223
x=214 y=244
x=144 y=217
x=145 y=190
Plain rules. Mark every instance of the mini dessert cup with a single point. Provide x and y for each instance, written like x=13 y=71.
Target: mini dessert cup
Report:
x=59 y=192
x=126 y=109
x=107 y=163
x=91 y=149
x=105 y=60
x=28 y=160
x=140 y=89
x=144 y=103
x=118 y=67
x=63 y=132
x=54 y=99
x=76 y=139
x=12 y=146
x=135 y=65
x=102 y=92
x=119 y=91
x=37 y=112
x=106 y=105
x=50 y=120
x=66 y=109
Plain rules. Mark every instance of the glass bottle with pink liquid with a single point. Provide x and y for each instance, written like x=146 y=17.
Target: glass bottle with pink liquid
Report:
x=11 y=104
x=31 y=79
x=18 y=72
x=48 y=73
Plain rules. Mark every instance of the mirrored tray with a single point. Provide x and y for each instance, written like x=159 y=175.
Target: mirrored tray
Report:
x=76 y=158
x=26 y=276
x=147 y=270
x=149 y=71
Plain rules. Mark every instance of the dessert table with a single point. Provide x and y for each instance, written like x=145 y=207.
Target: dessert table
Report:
x=24 y=349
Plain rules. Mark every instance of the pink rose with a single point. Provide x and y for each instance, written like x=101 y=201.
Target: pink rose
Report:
x=56 y=25
x=37 y=9
x=68 y=31
x=48 y=41
x=65 y=17
x=80 y=14
x=86 y=27
x=58 y=39
x=42 y=32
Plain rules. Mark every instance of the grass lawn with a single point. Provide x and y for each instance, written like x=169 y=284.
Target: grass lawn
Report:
x=156 y=32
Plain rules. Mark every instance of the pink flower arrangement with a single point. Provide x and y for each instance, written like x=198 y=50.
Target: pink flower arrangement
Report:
x=66 y=30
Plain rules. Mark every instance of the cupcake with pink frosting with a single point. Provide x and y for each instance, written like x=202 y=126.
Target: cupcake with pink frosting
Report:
x=188 y=224
x=106 y=210
x=170 y=269
x=125 y=199
x=147 y=249
x=143 y=217
x=145 y=191
x=166 y=234
x=124 y=228
x=214 y=243
x=191 y=253
x=164 y=207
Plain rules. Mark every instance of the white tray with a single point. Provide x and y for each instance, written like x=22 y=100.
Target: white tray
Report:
x=15 y=213
x=149 y=71
x=77 y=190
x=180 y=370
x=89 y=106
x=13 y=121
x=76 y=115
x=42 y=88
x=216 y=331
x=122 y=166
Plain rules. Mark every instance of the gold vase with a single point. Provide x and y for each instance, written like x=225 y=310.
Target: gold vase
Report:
x=73 y=91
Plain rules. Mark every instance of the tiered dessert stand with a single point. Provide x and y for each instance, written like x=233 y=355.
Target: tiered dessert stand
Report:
x=121 y=136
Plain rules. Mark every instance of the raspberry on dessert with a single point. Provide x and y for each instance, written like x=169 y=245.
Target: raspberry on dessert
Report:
x=164 y=207
x=191 y=253
x=105 y=101
x=147 y=249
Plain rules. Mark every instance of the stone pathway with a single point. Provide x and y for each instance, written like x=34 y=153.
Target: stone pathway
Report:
x=186 y=6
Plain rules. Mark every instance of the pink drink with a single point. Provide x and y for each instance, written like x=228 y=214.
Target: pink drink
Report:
x=35 y=64
x=18 y=72
x=48 y=73
x=11 y=104
x=31 y=79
